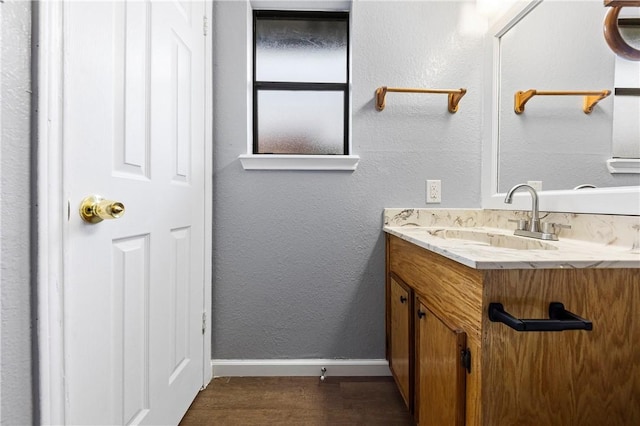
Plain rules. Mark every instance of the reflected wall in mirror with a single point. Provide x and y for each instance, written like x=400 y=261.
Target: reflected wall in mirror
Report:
x=630 y=29
x=558 y=46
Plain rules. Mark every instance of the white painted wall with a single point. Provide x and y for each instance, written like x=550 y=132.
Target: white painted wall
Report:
x=16 y=327
x=299 y=256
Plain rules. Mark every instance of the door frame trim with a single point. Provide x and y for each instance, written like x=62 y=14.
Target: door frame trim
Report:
x=50 y=200
x=53 y=208
x=208 y=190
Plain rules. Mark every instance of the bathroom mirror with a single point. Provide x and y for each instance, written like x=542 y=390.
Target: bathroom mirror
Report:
x=553 y=46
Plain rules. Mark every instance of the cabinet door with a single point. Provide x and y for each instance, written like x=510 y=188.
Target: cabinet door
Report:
x=400 y=349
x=440 y=375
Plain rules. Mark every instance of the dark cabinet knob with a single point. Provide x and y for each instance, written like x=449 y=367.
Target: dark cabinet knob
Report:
x=421 y=314
x=403 y=299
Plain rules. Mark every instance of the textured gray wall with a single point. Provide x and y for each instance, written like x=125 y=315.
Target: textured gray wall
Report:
x=15 y=363
x=299 y=256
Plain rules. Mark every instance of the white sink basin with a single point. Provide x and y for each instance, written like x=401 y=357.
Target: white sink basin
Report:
x=487 y=238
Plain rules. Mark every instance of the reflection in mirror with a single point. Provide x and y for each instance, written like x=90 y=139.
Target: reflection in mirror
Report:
x=630 y=31
x=614 y=33
x=575 y=63
x=559 y=46
x=626 y=106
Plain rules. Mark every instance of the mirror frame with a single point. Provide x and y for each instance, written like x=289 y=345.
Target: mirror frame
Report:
x=614 y=200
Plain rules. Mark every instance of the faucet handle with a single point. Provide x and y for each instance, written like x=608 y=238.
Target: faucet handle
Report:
x=522 y=223
x=552 y=228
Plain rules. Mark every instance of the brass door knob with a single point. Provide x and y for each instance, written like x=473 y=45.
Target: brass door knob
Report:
x=95 y=209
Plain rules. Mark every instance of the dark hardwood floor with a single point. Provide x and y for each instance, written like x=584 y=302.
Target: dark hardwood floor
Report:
x=299 y=401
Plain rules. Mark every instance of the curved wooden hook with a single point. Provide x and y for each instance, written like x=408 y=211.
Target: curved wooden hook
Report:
x=614 y=38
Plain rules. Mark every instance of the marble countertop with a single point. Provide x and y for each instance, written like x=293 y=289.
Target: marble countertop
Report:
x=565 y=253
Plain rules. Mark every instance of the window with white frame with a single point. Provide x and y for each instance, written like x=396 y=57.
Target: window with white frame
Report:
x=300 y=82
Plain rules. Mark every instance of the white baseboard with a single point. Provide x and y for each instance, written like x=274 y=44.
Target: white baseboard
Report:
x=299 y=367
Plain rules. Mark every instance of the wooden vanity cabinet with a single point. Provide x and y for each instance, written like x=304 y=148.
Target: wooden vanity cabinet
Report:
x=564 y=378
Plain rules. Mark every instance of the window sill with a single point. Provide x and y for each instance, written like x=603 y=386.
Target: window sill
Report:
x=299 y=162
x=623 y=165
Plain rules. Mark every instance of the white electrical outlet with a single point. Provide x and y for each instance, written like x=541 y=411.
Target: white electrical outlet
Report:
x=535 y=184
x=434 y=191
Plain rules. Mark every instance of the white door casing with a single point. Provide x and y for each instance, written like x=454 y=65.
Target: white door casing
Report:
x=121 y=311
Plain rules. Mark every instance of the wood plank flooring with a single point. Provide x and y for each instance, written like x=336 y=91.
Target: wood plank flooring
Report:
x=299 y=401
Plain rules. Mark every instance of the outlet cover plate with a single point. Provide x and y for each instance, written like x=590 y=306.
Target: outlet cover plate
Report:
x=433 y=192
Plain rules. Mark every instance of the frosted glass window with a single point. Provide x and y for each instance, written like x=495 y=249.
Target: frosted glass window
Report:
x=300 y=122
x=301 y=50
x=300 y=82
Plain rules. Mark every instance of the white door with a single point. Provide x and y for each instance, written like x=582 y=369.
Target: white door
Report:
x=133 y=132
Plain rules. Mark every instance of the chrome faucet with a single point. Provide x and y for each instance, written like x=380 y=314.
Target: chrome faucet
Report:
x=533 y=228
x=534 y=225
